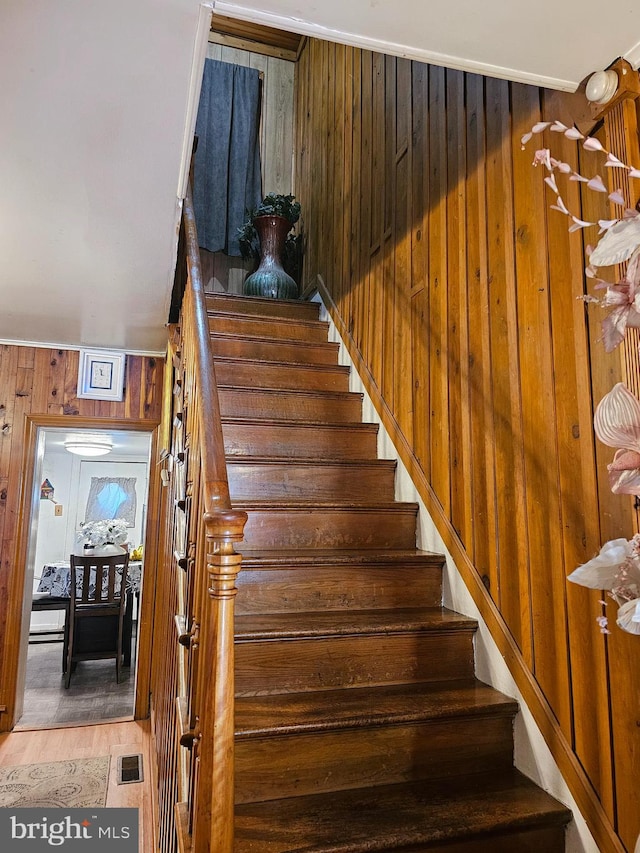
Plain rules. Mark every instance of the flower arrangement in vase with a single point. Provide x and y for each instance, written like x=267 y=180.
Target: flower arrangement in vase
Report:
x=267 y=238
x=102 y=537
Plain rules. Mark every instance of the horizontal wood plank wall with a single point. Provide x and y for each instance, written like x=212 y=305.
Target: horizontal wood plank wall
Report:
x=222 y=273
x=459 y=290
x=39 y=381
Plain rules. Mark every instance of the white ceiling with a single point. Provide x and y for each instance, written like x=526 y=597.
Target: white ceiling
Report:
x=125 y=442
x=94 y=126
x=555 y=43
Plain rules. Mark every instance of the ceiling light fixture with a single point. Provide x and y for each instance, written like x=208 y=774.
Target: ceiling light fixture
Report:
x=89 y=445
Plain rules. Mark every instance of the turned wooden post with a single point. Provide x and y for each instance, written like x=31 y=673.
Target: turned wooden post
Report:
x=216 y=772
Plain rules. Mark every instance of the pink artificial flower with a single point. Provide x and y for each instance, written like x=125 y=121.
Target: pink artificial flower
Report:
x=624 y=300
x=617 y=424
x=542 y=157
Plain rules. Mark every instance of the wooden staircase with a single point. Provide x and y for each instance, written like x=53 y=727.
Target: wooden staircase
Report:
x=359 y=723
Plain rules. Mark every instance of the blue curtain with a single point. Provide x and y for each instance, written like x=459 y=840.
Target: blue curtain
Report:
x=227 y=179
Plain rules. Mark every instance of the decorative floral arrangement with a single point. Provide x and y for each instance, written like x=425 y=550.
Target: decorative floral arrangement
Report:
x=621 y=240
x=616 y=569
x=617 y=417
x=113 y=531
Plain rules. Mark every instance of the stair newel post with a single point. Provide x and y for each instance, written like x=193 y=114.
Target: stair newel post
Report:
x=223 y=529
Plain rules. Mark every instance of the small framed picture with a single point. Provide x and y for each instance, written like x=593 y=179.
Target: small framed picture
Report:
x=101 y=375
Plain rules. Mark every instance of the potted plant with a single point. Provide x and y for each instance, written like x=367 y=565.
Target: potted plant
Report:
x=267 y=238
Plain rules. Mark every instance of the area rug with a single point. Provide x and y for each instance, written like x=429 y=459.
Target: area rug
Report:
x=81 y=783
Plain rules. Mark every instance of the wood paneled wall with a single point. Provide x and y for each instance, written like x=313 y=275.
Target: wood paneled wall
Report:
x=457 y=291
x=222 y=273
x=34 y=382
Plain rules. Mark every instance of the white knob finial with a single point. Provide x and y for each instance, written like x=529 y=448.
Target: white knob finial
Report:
x=601 y=87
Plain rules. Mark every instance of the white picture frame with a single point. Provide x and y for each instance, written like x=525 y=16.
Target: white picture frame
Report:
x=101 y=375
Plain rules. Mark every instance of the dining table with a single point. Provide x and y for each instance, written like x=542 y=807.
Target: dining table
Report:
x=55 y=580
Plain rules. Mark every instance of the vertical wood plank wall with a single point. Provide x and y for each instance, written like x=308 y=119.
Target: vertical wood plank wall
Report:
x=220 y=272
x=458 y=288
x=38 y=381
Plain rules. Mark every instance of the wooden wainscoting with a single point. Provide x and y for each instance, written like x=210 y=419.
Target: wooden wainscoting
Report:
x=457 y=290
x=38 y=387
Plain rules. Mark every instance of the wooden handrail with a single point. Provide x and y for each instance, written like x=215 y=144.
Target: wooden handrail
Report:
x=211 y=798
x=216 y=486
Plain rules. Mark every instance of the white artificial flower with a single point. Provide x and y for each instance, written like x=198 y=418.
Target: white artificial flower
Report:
x=628 y=616
x=601 y=571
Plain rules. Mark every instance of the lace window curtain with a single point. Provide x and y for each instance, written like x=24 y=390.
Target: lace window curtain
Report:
x=227 y=179
x=112 y=497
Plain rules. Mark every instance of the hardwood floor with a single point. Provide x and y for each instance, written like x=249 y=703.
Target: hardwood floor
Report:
x=114 y=739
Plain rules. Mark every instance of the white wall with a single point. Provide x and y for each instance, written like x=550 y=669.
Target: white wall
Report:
x=93 y=105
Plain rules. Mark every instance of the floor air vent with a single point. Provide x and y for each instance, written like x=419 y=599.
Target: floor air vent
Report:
x=129 y=769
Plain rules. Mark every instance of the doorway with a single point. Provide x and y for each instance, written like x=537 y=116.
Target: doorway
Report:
x=72 y=487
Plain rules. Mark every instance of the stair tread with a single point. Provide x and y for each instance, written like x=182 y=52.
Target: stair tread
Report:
x=338 y=426
x=312 y=461
x=262 y=626
x=259 y=339
x=298 y=505
x=397 y=817
x=297 y=392
x=278 y=714
x=284 y=365
x=254 y=303
x=252 y=559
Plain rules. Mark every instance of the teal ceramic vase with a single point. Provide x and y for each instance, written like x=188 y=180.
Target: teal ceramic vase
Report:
x=270 y=280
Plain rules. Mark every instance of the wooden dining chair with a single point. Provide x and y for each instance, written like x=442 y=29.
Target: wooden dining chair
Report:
x=96 y=611
x=44 y=601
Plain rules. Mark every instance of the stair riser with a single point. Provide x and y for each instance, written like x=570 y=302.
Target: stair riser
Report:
x=256 y=306
x=329 y=528
x=336 y=588
x=290 y=330
x=298 y=441
x=293 y=405
x=256 y=349
x=292 y=377
x=264 y=667
x=269 y=768
x=307 y=482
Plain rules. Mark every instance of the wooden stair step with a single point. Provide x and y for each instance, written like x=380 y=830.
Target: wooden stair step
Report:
x=275 y=582
x=313 y=331
x=298 y=744
x=501 y=812
x=280 y=374
x=409 y=620
x=361 y=707
x=270 y=403
x=370 y=558
x=296 y=652
x=255 y=305
x=291 y=439
x=269 y=349
x=315 y=525
x=252 y=477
